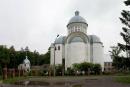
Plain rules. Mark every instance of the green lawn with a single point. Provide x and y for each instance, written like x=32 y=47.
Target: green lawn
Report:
x=123 y=79
x=12 y=80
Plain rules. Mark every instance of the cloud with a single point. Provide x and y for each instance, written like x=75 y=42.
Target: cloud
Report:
x=35 y=23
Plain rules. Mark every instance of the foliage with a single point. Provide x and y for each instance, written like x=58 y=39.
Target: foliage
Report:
x=0 y=69
x=77 y=67
x=87 y=67
x=11 y=58
x=58 y=69
x=4 y=55
x=97 y=68
x=69 y=71
x=125 y=19
x=122 y=63
x=0 y=78
x=116 y=50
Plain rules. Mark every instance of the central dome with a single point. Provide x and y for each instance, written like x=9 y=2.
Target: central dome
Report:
x=77 y=19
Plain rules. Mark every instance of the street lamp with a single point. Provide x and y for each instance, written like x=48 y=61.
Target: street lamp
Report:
x=54 y=73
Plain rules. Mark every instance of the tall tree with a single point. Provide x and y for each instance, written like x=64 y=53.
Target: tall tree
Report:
x=12 y=55
x=125 y=19
x=116 y=50
x=45 y=58
x=4 y=56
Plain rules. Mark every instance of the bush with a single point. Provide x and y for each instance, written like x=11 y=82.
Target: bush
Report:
x=69 y=71
x=58 y=69
x=89 y=68
x=97 y=68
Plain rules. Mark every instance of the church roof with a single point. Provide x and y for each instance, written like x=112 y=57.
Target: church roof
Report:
x=77 y=39
x=77 y=19
x=94 y=39
x=60 y=40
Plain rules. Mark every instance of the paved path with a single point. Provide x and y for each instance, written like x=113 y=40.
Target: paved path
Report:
x=102 y=81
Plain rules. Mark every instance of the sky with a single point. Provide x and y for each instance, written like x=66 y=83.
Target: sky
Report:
x=35 y=23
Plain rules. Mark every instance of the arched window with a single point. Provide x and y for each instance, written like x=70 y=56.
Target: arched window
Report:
x=58 y=47
x=55 y=48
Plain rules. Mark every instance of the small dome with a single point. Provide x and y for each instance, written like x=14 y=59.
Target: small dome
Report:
x=94 y=39
x=77 y=39
x=60 y=40
x=26 y=60
x=77 y=19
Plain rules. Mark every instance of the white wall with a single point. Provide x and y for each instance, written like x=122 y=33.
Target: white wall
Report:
x=77 y=52
x=58 y=54
x=98 y=54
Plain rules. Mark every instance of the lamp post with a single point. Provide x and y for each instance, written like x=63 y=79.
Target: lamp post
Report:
x=54 y=71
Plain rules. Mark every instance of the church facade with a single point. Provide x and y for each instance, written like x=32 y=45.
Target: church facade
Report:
x=77 y=46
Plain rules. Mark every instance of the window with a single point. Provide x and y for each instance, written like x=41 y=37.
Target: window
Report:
x=55 y=48
x=109 y=64
x=58 y=47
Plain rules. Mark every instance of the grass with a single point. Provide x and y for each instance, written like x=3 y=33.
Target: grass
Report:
x=123 y=79
x=12 y=80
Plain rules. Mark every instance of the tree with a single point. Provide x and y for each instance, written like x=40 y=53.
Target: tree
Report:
x=127 y=2
x=122 y=63
x=11 y=58
x=116 y=50
x=4 y=56
x=125 y=19
x=12 y=55
x=45 y=58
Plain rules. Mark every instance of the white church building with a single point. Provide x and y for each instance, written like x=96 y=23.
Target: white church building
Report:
x=77 y=46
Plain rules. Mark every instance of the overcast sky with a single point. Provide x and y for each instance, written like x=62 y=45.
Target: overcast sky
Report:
x=35 y=23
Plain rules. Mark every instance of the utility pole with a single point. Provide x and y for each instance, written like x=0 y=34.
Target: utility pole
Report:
x=54 y=72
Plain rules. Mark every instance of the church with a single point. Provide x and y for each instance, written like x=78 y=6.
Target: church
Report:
x=77 y=46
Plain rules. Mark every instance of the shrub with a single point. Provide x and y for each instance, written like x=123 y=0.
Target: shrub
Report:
x=87 y=67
